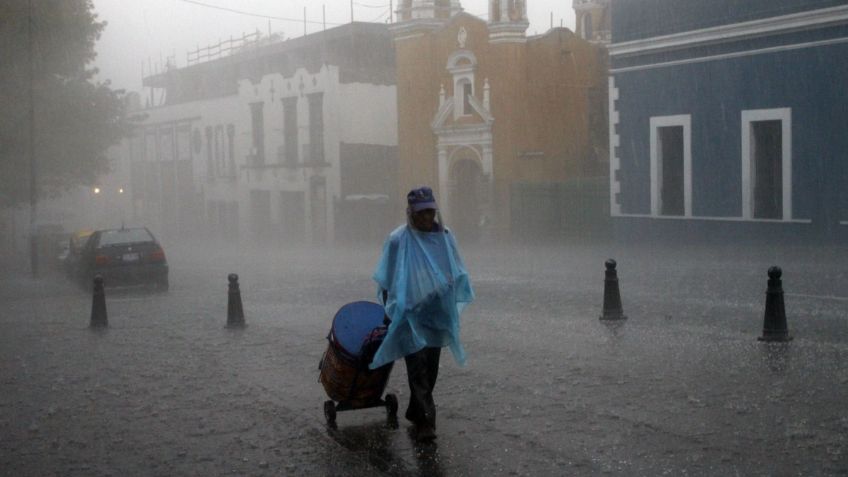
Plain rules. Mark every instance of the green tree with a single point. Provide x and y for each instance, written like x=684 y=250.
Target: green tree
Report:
x=48 y=45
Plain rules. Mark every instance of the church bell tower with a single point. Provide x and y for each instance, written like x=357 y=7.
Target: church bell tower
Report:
x=593 y=20
x=412 y=10
x=508 y=21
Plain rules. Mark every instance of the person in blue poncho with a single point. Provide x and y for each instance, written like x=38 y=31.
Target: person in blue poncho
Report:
x=423 y=285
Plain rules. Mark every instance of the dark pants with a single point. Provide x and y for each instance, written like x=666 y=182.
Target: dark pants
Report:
x=422 y=369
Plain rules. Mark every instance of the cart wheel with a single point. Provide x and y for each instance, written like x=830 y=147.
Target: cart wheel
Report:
x=391 y=405
x=330 y=412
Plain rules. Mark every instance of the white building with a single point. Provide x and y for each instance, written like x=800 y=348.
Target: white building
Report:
x=273 y=142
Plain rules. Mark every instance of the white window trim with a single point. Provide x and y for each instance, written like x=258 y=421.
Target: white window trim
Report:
x=461 y=73
x=749 y=116
x=684 y=120
x=716 y=219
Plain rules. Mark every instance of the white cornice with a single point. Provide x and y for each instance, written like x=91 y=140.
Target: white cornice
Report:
x=583 y=4
x=738 y=54
x=412 y=28
x=442 y=114
x=482 y=111
x=459 y=135
x=737 y=31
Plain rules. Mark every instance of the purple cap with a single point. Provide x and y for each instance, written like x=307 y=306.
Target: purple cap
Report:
x=420 y=199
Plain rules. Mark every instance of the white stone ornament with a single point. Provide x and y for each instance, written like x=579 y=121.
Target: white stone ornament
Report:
x=461 y=37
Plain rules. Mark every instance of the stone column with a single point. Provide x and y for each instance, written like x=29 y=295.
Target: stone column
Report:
x=444 y=192
x=488 y=207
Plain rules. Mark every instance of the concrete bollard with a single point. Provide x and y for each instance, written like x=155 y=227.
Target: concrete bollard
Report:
x=235 y=312
x=612 y=297
x=98 y=305
x=774 y=321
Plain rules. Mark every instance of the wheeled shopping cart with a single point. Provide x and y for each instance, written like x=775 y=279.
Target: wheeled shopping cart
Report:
x=358 y=328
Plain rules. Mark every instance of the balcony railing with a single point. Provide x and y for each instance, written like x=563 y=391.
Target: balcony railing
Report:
x=222 y=49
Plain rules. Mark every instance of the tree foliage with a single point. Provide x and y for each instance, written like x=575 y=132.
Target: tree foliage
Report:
x=47 y=49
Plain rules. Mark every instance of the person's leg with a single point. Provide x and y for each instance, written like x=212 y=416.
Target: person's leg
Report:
x=416 y=375
x=433 y=355
x=422 y=370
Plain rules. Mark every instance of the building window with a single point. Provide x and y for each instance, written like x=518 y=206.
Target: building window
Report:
x=258 y=125
x=587 y=26
x=210 y=164
x=184 y=142
x=316 y=127
x=466 y=98
x=260 y=214
x=671 y=166
x=231 y=149
x=220 y=150
x=290 y=130
x=461 y=65
x=767 y=164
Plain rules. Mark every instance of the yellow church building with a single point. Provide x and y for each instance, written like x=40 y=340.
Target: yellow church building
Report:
x=507 y=128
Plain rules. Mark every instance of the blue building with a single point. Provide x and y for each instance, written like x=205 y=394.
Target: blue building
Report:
x=729 y=118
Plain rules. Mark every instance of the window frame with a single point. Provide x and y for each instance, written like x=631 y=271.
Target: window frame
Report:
x=291 y=142
x=315 y=102
x=462 y=65
x=750 y=116
x=657 y=122
x=466 y=87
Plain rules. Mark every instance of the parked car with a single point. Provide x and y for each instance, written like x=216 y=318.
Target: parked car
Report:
x=71 y=254
x=48 y=240
x=125 y=256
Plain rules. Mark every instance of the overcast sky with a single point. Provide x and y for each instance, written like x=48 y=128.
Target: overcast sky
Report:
x=143 y=31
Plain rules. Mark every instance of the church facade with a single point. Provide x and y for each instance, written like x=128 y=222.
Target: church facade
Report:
x=496 y=121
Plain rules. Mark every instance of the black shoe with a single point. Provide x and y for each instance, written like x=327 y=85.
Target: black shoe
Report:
x=425 y=433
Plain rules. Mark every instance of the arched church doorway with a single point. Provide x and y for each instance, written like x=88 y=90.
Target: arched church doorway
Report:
x=467 y=196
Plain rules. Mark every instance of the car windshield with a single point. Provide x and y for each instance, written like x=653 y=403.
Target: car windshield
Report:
x=114 y=237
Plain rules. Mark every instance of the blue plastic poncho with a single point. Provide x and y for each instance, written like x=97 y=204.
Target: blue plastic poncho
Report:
x=428 y=287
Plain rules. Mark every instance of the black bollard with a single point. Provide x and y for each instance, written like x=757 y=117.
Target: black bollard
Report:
x=98 y=305
x=612 y=298
x=235 y=313
x=774 y=321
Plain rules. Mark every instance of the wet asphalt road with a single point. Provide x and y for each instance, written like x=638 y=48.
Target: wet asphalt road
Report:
x=681 y=388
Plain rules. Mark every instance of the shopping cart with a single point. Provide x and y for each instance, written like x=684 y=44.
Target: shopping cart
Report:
x=358 y=329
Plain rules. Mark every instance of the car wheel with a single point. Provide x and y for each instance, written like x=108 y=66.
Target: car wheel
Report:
x=162 y=285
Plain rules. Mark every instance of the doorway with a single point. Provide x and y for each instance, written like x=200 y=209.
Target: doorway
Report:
x=466 y=195
x=767 y=168
x=670 y=141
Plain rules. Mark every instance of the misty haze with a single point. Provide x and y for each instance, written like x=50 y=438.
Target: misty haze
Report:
x=424 y=237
